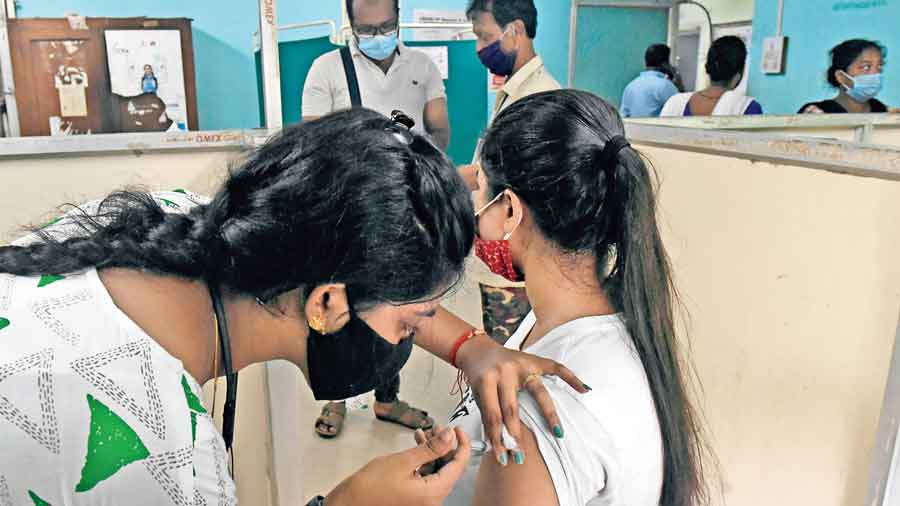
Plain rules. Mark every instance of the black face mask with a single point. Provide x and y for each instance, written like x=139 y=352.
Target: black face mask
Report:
x=352 y=361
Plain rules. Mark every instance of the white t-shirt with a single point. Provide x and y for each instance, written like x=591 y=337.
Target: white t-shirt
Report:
x=612 y=453
x=412 y=81
x=92 y=409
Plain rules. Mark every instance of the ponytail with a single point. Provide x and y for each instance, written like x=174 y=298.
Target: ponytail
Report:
x=640 y=286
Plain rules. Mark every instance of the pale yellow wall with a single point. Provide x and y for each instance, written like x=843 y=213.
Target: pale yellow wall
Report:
x=31 y=189
x=790 y=275
x=793 y=287
x=885 y=130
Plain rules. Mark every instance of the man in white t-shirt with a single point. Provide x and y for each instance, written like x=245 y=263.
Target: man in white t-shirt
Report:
x=391 y=76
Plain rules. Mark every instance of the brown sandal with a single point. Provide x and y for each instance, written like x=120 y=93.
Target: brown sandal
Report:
x=400 y=414
x=332 y=417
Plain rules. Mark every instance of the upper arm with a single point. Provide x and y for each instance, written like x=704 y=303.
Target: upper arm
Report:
x=318 y=98
x=556 y=471
x=436 y=115
x=434 y=84
x=507 y=485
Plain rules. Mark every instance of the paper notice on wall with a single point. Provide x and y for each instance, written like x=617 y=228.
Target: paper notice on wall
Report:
x=148 y=61
x=77 y=22
x=72 y=101
x=444 y=17
x=440 y=56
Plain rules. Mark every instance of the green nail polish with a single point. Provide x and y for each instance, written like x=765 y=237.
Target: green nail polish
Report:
x=520 y=458
x=504 y=460
x=558 y=431
x=586 y=387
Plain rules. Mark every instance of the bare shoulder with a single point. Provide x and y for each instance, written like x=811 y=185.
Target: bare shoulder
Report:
x=527 y=484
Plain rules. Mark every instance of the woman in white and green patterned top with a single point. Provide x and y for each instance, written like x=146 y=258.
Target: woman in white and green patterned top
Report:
x=329 y=247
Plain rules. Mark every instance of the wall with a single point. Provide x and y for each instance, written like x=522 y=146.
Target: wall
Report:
x=880 y=129
x=813 y=28
x=791 y=346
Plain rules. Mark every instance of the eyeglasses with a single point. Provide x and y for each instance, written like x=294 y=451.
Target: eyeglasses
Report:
x=369 y=31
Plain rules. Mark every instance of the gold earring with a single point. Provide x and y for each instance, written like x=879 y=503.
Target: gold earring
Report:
x=317 y=323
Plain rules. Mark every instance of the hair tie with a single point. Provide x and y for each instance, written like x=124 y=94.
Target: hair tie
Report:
x=610 y=153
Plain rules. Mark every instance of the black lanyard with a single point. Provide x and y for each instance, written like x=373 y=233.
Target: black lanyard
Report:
x=230 y=374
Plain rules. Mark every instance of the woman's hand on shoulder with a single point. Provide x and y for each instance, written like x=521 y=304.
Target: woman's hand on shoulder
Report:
x=497 y=374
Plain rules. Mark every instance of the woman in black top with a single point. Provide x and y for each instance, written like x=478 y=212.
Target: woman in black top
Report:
x=856 y=71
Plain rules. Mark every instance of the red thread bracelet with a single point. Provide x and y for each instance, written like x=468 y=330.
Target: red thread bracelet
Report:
x=461 y=341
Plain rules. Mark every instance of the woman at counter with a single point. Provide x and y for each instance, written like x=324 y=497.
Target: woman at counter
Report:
x=856 y=71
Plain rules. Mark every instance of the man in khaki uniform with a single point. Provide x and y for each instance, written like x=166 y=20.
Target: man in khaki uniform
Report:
x=505 y=31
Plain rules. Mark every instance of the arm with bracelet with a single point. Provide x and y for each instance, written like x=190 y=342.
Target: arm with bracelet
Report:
x=496 y=374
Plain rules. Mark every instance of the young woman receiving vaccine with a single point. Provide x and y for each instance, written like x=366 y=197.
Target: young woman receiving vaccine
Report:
x=567 y=204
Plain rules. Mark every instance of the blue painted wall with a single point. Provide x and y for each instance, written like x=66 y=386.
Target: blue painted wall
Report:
x=552 y=41
x=611 y=44
x=813 y=28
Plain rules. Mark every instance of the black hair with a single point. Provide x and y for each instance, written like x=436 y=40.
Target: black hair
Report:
x=548 y=149
x=507 y=11
x=657 y=55
x=844 y=54
x=349 y=4
x=726 y=58
x=340 y=199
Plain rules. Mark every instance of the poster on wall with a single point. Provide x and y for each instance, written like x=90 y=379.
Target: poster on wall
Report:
x=440 y=55
x=443 y=17
x=143 y=62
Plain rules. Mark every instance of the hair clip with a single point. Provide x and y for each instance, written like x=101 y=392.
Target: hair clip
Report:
x=401 y=118
x=400 y=127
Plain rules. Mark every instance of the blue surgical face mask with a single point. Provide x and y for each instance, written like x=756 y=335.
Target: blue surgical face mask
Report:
x=379 y=47
x=498 y=62
x=865 y=86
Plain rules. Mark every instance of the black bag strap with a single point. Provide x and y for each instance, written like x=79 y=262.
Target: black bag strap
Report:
x=352 y=81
